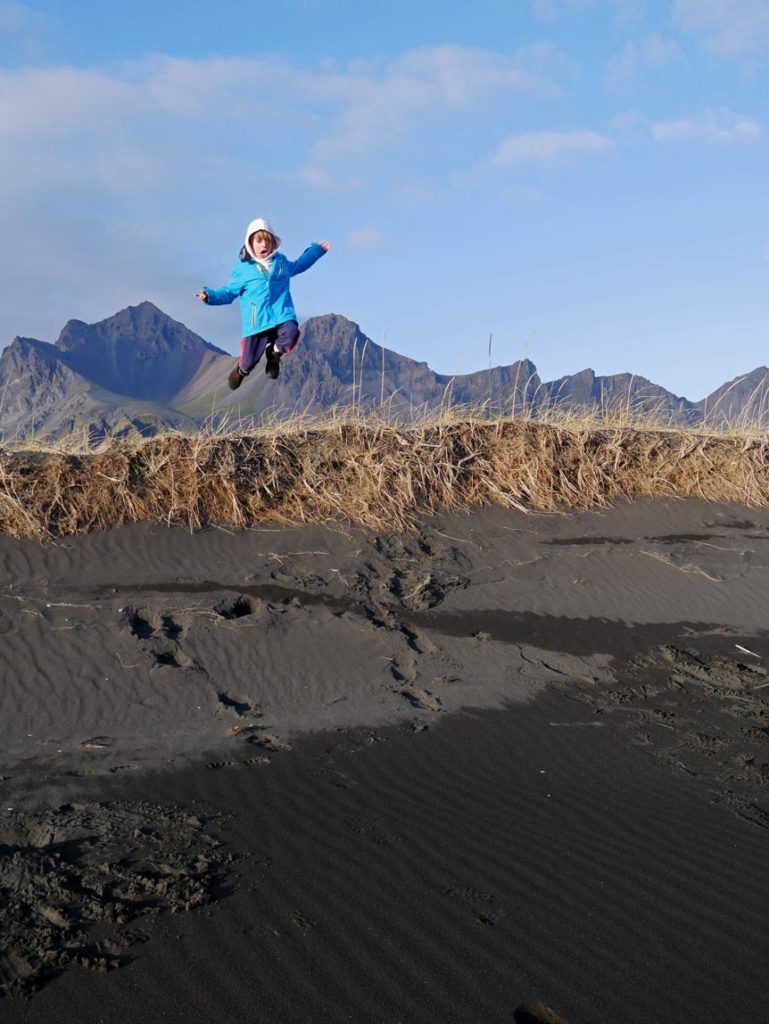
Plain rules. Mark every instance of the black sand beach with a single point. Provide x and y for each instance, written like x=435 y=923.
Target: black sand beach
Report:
x=426 y=777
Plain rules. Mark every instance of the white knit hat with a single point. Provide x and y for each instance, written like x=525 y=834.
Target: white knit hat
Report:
x=259 y=224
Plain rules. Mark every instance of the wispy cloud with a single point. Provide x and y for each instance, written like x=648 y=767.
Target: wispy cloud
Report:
x=55 y=103
x=333 y=113
x=735 y=28
x=637 y=56
x=385 y=105
x=547 y=147
x=715 y=125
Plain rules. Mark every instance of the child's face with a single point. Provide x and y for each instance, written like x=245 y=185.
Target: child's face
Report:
x=260 y=246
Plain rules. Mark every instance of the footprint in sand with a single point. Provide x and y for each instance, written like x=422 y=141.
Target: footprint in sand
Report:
x=171 y=658
x=145 y=624
x=163 y=631
x=269 y=742
x=240 y=704
x=139 y=624
x=259 y=759
x=170 y=628
x=421 y=699
x=236 y=608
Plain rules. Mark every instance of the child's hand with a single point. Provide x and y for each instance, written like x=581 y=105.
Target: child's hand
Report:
x=325 y=246
x=202 y=295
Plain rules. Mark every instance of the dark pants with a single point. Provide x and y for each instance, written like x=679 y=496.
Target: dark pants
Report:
x=284 y=337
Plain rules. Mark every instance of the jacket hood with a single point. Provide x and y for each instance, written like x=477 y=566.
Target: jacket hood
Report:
x=259 y=224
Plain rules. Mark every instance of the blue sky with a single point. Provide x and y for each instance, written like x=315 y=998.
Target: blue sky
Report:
x=583 y=179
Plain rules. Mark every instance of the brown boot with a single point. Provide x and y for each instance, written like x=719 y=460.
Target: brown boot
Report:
x=237 y=377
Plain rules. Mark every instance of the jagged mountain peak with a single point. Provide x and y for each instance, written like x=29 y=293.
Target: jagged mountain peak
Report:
x=142 y=323
x=744 y=398
x=140 y=352
x=20 y=344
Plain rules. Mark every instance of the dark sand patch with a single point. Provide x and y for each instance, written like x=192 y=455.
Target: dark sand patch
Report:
x=451 y=876
x=73 y=879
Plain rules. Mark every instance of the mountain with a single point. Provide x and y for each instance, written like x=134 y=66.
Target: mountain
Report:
x=584 y=390
x=336 y=364
x=40 y=395
x=139 y=352
x=140 y=371
x=118 y=376
x=744 y=398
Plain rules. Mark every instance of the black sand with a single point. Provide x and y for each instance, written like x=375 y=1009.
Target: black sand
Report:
x=553 y=788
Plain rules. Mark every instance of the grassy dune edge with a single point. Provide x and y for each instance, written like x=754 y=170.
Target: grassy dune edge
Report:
x=376 y=475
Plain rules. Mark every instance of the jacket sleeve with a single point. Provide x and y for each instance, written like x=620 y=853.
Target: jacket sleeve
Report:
x=230 y=292
x=310 y=255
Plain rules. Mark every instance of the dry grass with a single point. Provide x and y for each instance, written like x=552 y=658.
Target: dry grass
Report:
x=371 y=472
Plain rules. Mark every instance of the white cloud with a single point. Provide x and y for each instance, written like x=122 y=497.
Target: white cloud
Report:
x=716 y=125
x=51 y=103
x=384 y=107
x=626 y=67
x=167 y=107
x=547 y=147
x=736 y=28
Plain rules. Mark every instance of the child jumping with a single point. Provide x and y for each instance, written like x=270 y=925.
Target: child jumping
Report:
x=261 y=279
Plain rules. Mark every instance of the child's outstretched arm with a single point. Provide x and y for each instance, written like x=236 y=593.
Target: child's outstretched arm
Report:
x=310 y=255
x=222 y=296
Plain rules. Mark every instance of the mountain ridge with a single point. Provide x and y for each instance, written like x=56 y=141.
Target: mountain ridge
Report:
x=140 y=371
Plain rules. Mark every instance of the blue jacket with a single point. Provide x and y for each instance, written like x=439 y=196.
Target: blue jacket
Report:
x=265 y=300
